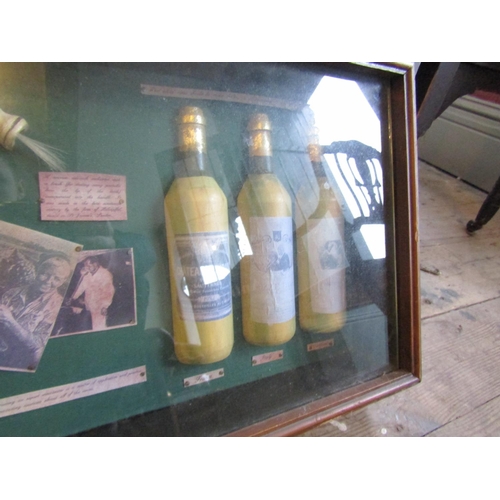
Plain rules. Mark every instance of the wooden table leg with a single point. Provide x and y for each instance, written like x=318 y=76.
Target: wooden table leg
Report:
x=488 y=209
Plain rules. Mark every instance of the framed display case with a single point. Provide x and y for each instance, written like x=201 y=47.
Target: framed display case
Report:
x=194 y=249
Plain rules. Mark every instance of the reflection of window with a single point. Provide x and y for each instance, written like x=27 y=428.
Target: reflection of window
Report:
x=342 y=113
x=356 y=189
x=213 y=274
x=374 y=238
x=243 y=242
x=340 y=170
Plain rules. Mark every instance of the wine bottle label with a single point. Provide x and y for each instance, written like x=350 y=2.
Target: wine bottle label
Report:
x=203 y=276
x=272 y=295
x=327 y=260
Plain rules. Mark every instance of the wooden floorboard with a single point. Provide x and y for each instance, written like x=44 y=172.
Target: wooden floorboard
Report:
x=483 y=421
x=460 y=297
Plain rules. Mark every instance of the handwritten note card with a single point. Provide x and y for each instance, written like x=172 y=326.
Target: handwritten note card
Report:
x=82 y=196
x=63 y=393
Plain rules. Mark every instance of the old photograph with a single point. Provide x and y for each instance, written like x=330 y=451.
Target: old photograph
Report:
x=35 y=271
x=101 y=294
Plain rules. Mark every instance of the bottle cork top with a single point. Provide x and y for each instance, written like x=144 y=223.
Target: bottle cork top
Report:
x=191 y=114
x=314 y=148
x=259 y=127
x=259 y=121
x=191 y=122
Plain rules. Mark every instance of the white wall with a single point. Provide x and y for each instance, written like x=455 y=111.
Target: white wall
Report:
x=465 y=141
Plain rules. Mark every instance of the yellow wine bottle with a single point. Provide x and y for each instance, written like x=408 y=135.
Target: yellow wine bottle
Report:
x=267 y=276
x=198 y=249
x=321 y=257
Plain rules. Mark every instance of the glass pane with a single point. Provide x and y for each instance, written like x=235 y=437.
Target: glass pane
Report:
x=250 y=272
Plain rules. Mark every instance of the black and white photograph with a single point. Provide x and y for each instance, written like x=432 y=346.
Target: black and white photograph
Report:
x=101 y=294
x=35 y=271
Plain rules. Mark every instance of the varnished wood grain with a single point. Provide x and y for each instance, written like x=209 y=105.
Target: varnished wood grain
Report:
x=483 y=421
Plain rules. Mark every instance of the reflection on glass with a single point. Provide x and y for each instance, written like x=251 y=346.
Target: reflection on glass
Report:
x=321 y=258
x=374 y=238
x=346 y=113
x=347 y=184
x=189 y=297
x=343 y=113
x=243 y=243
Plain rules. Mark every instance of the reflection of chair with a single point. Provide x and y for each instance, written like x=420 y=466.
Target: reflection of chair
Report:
x=357 y=170
x=361 y=179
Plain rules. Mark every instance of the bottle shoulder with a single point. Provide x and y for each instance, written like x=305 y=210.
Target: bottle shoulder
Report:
x=317 y=200
x=194 y=182
x=264 y=195
x=198 y=186
x=264 y=185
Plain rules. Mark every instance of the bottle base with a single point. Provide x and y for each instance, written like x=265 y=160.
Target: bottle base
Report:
x=323 y=323
x=264 y=335
x=193 y=356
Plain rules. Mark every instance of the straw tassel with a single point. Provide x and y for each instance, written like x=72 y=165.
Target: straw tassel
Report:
x=11 y=127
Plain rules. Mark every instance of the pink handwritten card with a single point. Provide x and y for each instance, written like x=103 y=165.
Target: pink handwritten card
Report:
x=82 y=196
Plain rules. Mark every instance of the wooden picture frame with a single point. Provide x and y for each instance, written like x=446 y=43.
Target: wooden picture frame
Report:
x=120 y=119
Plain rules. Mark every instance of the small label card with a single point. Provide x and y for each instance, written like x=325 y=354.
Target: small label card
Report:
x=203 y=377
x=216 y=95
x=323 y=344
x=74 y=196
x=267 y=357
x=63 y=393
